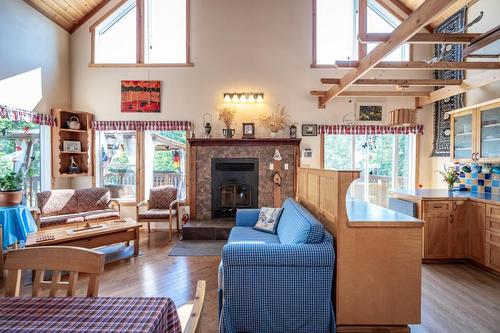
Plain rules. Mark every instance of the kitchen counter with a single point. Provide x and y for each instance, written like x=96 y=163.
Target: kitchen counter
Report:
x=364 y=214
x=430 y=194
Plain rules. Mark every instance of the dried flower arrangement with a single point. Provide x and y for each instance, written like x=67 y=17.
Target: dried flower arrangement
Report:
x=226 y=114
x=276 y=121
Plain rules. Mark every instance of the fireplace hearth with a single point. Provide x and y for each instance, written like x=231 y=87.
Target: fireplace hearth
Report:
x=234 y=185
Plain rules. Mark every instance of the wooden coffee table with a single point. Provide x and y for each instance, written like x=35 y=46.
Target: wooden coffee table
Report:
x=118 y=231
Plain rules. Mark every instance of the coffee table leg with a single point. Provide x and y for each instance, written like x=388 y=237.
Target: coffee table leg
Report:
x=136 y=242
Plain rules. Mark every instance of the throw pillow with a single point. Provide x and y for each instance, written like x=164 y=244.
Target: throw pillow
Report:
x=268 y=219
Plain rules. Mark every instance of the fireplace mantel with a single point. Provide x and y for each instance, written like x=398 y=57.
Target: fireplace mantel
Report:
x=202 y=151
x=244 y=142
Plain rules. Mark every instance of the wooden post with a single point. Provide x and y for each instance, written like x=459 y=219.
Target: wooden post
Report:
x=362 y=26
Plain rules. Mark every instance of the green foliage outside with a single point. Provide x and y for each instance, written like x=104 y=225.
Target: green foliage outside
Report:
x=163 y=161
x=8 y=146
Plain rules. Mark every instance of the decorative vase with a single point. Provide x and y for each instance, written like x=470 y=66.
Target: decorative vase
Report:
x=273 y=134
x=450 y=187
x=10 y=198
x=228 y=133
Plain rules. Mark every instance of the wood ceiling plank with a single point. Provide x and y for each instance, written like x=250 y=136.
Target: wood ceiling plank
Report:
x=62 y=6
x=400 y=10
x=474 y=82
x=422 y=65
x=421 y=38
x=398 y=82
x=89 y=15
x=418 y=19
x=50 y=14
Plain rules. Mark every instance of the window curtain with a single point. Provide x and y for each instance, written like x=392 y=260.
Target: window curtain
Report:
x=370 y=129
x=27 y=116
x=112 y=125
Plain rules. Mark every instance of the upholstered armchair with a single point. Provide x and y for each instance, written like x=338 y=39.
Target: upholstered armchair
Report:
x=162 y=206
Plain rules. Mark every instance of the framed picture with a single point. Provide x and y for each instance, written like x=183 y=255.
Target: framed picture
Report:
x=72 y=146
x=248 y=131
x=140 y=96
x=370 y=112
x=309 y=130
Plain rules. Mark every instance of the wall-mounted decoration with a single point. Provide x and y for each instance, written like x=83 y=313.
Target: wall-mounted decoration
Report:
x=309 y=130
x=441 y=141
x=140 y=96
x=248 y=131
x=370 y=111
x=72 y=146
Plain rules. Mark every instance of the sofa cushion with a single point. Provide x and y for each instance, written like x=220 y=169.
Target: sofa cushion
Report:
x=57 y=202
x=156 y=214
x=250 y=235
x=52 y=221
x=161 y=197
x=297 y=225
x=101 y=215
x=95 y=198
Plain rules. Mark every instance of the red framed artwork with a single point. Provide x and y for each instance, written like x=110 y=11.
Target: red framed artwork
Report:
x=140 y=96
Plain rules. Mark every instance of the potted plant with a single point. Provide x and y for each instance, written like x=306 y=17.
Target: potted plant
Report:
x=10 y=189
x=227 y=116
x=276 y=121
x=450 y=176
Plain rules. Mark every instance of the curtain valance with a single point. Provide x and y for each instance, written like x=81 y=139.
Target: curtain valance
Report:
x=27 y=116
x=123 y=125
x=370 y=129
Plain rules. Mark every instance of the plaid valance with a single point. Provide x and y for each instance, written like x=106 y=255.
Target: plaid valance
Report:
x=160 y=125
x=27 y=116
x=370 y=129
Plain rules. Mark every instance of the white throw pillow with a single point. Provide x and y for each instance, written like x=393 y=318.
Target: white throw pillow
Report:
x=268 y=219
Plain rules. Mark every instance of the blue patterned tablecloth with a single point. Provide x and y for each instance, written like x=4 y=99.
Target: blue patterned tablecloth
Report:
x=17 y=223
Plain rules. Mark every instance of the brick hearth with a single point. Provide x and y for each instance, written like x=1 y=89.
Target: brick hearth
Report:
x=201 y=152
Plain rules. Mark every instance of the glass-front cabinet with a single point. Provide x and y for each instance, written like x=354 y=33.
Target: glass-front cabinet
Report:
x=489 y=133
x=475 y=134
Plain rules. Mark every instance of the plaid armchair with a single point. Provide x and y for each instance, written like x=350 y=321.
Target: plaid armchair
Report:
x=161 y=207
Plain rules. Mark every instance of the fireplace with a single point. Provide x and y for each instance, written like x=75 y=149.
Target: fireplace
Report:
x=234 y=185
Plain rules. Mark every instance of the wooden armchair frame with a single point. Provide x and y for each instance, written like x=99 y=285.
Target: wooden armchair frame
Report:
x=174 y=204
x=57 y=259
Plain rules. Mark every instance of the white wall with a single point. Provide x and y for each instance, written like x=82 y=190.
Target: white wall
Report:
x=30 y=41
x=236 y=45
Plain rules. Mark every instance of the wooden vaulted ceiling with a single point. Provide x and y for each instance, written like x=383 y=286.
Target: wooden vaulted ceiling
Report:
x=69 y=14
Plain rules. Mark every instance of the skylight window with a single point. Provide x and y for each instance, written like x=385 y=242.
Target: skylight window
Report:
x=142 y=32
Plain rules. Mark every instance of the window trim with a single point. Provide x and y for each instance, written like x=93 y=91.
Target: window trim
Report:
x=139 y=39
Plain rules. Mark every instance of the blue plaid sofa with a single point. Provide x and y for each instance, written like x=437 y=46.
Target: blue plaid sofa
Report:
x=277 y=282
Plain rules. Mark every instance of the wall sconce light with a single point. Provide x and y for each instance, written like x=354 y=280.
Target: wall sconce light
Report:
x=250 y=97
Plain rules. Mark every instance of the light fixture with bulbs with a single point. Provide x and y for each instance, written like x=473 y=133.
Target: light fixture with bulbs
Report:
x=244 y=97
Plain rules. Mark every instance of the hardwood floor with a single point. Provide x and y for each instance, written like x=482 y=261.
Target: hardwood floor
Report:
x=456 y=297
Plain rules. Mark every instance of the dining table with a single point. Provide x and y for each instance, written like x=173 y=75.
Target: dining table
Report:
x=88 y=314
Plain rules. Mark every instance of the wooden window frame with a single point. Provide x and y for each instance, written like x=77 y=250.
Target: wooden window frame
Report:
x=139 y=39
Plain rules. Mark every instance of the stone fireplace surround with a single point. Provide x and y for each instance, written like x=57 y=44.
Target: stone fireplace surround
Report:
x=202 y=151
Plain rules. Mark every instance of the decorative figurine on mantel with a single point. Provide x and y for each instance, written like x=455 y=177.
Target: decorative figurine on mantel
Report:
x=226 y=114
x=208 y=125
x=293 y=131
x=276 y=121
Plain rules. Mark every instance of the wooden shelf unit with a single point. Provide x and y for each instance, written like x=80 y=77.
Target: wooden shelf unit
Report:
x=60 y=133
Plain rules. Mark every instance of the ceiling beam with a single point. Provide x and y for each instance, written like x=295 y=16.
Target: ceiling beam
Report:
x=421 y=38
x=450 y=11
x=482 y=41
x=399 y=10
x=398 y=82
x=362 y=26
x=419 y=18
x=474 y=82
x=358 y=93
x=422 y=65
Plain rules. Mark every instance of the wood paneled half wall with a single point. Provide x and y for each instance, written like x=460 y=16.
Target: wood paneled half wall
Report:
x=378 y=254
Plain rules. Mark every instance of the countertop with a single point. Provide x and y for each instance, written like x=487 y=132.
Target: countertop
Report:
x=430 y=194
x=364 y=214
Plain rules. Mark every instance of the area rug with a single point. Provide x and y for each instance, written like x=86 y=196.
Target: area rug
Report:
x=197 y=248
x=441 y=142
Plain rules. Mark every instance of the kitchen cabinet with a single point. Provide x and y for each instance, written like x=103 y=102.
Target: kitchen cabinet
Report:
x=475 y=134
x=477 y=235
x=492 y=244
x=445 y=230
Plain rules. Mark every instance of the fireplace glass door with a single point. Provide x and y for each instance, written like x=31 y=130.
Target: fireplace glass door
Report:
x=235 y=195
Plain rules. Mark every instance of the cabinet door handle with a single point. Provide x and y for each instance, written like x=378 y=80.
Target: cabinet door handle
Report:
x=452 y=219
x=477 y=157
x=454 y=205
x=437 y=207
